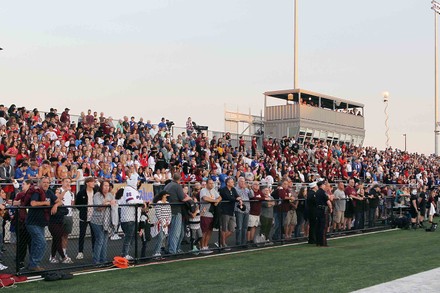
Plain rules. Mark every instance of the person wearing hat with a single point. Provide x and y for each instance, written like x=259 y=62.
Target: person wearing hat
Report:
x=323 y=209
x=311 y=211
x=130 y=201
x=373 y=200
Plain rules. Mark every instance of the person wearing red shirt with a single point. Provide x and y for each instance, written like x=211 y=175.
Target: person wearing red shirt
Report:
x=254 y=214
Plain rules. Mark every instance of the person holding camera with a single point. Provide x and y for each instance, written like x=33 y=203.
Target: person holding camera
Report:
x=230 y=197
x=242 y=212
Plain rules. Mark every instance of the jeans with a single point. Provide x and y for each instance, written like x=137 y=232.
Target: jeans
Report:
x=38 y=245
x=278 y=225
x=23 y=241
x=82 y=234
x=359 y=220
x=100 y=249
x=372 y=217
x=300 y=221
x=175 y=233
x=159 y=240
x=241 y=229
x=128 y=228
x=56 y=230
x=266 y=225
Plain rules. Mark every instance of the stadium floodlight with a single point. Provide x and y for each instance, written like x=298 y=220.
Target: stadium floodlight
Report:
x=435 y=6
x=386 y=96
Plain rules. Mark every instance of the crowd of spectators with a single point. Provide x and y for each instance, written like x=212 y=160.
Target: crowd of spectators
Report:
x=35 y=145
x=51 y=145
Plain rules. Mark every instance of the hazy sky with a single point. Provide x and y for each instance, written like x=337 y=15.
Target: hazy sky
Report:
x=155 y=58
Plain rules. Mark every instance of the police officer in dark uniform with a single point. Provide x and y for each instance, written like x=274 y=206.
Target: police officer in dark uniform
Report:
x=311 y=211
x=323 y=208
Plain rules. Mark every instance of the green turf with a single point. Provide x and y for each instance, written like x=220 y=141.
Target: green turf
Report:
x=348 y=264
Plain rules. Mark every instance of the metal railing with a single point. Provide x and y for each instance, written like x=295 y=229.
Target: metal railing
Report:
x=121 y=239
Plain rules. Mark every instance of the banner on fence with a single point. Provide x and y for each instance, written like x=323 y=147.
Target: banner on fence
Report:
x=145 y=191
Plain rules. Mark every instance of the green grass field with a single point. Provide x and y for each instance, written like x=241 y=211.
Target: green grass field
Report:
x=348 y=264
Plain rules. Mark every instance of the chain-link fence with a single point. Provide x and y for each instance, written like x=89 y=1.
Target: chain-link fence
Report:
x=40 y=239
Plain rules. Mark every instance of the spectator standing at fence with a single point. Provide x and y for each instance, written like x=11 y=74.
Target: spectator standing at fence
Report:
x=23 y=199
x=210 y=200
x=230 y=198
x=242 y=212
x=194 y=224
x=359 y=207
x=432 y=206
x=311 y=207
x=289 y=205
x=163 y=214
x=373 y=201
x=68 y=200
x=176 y=198
x=85 y=197
x=130 y=213
x=323 y=209
x=350 y=193
x=340 y=205
x=37 y=219
x=255 y=210
x=56 y=229
x=277 y=213
x=144 y=230
x=414 y=209
x=101 y=222
x=423 y=199
x=300 y=211
x=266 y=216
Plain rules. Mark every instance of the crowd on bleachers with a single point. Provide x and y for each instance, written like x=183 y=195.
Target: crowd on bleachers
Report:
x=95 y=146
x=39 y=146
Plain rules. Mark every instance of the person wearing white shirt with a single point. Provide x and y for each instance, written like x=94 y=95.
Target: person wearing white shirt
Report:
x=68 y=200
x=130 y=199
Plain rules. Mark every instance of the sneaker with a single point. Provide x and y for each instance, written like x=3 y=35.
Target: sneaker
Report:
x=53 y=260
x=158 y=256
x=206 y=250
x=67 y=260
x=195 y=250
x=128 y=257
x=115 y=237
x=3 y=267
x=226 y=248
x=80 y=255
x=216 y=244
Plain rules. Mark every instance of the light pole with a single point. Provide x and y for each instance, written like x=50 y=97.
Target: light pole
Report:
x=385 y=100
x=295 y=54
x=436 y=8
x=405 y=141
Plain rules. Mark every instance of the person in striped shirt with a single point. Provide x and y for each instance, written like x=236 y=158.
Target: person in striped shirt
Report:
x=163 y=215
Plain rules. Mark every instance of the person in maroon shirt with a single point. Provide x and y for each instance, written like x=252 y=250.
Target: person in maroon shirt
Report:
x=241 y=144
x=256 y=197
x=350 y=192
x=254 y=146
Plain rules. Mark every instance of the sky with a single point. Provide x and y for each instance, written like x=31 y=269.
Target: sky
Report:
x=180 y=58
